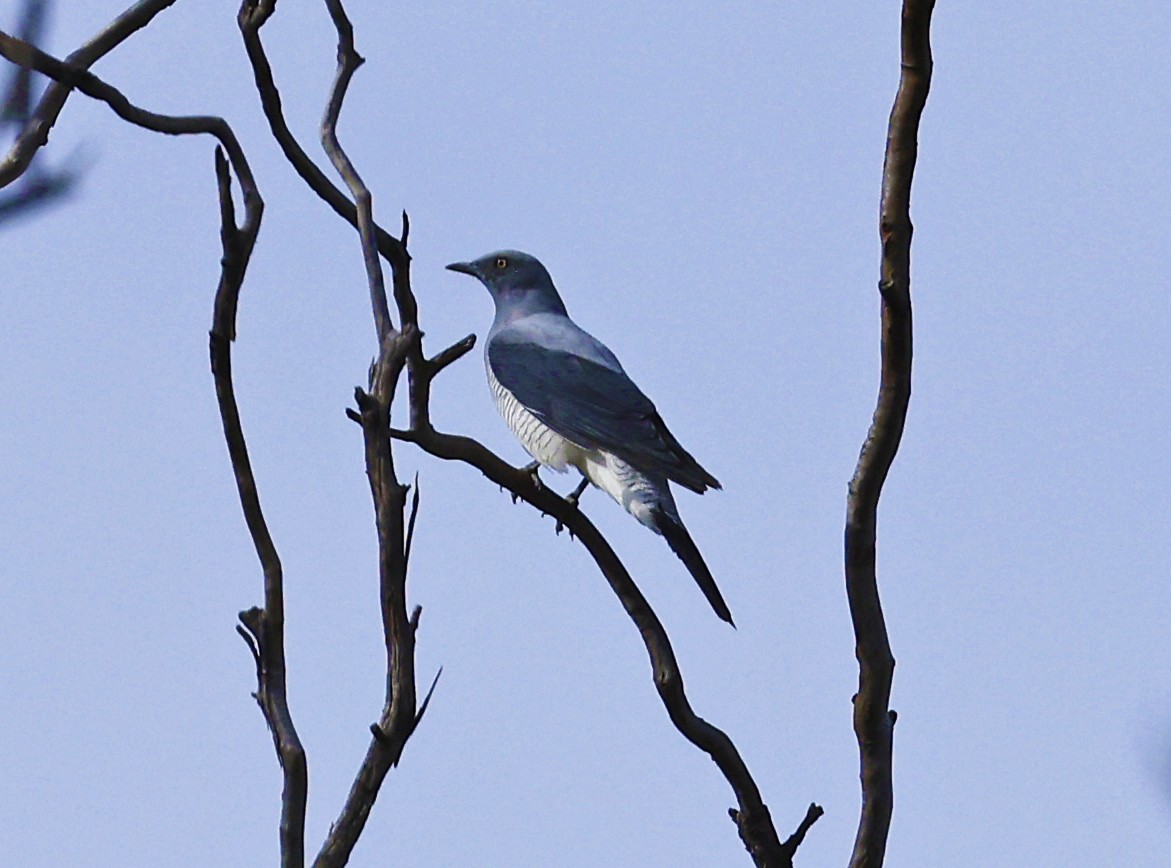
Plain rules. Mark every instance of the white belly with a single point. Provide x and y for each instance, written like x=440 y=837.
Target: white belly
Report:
x=538 y=439
x=635 y=492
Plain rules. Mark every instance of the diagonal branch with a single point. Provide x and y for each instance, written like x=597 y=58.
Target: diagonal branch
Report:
x=251 y=18
x=36 y=130
x=63 y=73
x=873 y=719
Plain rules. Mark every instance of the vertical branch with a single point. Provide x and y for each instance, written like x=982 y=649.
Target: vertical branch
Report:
x=400 y=714
x=262 y=628
x=873 y=719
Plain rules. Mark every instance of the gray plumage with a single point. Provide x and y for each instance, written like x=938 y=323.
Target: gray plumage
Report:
x=569 y=402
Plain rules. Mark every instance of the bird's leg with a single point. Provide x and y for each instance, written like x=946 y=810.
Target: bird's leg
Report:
x=575 y=495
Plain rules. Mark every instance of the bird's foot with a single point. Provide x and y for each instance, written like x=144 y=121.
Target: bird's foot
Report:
x=574 y=496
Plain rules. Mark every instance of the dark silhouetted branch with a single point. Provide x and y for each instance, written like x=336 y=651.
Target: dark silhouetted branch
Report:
x=39 y=186
x=400 y=714
x=873 y=719
x=262 y=628
x=251 y=18
x=20 y=52
x=36 y=131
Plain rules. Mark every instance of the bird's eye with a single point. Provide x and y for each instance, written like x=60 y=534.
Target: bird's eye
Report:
x=501 y=263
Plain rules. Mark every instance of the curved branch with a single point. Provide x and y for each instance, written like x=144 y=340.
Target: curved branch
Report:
x=22 y=53
x=252 y=16
x=873 y=720
x=348 y=61
x=263 y=629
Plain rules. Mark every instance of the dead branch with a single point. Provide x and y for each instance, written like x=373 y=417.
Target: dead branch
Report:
x=36 y=130
x=399 y=714
x=873 y=720
x=262 y=629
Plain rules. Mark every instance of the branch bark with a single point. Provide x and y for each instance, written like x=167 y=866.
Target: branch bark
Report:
x=873 y=719
x=262 y=628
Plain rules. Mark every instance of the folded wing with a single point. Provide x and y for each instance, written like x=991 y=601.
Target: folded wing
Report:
x=594 y=406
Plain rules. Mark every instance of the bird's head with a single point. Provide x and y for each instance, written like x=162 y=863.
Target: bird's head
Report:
x=518 y=283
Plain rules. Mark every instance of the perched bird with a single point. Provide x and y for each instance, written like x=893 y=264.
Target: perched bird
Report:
x=568 y=401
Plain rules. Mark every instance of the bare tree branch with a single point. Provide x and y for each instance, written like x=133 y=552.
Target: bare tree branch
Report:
x=36 y=130
x=41 y=186
x=348 y=61
x=63 y=73
x=252 y=16
x=873 y=720
x=263 y=629
x=400 y=715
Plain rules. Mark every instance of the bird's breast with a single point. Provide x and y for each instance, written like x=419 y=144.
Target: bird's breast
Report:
x=538 y=439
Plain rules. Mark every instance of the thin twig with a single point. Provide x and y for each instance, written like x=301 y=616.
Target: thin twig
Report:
x=873 y=719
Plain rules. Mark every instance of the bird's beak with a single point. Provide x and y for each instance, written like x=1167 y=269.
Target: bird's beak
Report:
x=463 y=268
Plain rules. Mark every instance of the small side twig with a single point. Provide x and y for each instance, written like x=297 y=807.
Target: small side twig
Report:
x=873 y=719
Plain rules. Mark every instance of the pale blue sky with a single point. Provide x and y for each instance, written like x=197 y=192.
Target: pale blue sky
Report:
x=703 y=187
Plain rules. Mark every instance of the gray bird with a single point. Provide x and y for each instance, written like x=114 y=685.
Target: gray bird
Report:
x=568 y=401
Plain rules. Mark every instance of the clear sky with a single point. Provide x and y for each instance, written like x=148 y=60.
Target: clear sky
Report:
x=703 y=186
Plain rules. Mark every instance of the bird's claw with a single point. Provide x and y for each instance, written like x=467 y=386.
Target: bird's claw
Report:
x=575 y=496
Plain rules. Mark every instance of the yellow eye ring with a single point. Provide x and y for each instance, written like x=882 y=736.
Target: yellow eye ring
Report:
x=501 y=263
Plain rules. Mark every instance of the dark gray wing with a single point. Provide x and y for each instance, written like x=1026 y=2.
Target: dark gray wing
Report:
x=595 y=407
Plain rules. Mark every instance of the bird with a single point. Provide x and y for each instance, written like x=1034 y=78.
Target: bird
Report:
x=569 y=402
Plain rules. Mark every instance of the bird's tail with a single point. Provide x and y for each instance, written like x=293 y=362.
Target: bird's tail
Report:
x=684 y=547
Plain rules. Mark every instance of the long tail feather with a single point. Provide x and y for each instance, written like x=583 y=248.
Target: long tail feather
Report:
x=684 y=547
